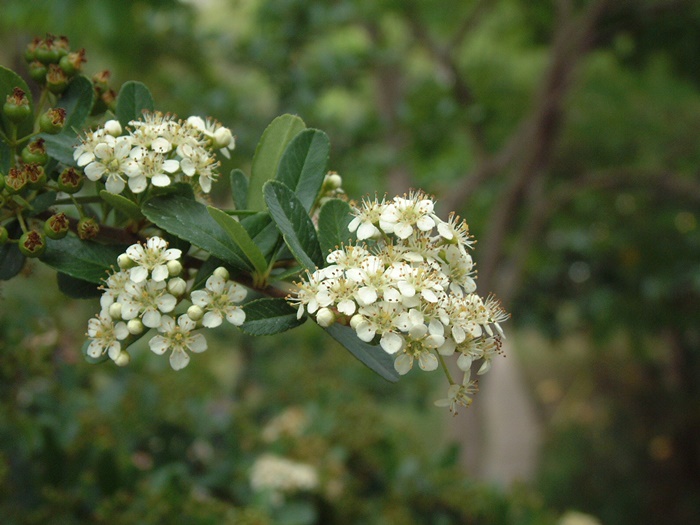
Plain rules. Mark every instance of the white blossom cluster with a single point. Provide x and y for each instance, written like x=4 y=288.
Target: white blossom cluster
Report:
x=145 y=292
x=281 y=476
x=157 y=150
x=408 y=283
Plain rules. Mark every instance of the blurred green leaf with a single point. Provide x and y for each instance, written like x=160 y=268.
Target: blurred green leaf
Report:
x=11 y=260
x=303 y=164
x=294 y=223
x=269 y=316
x=268 y=154
x=374 y=357
x=61 y=146
x=77 y=100
x=77 y=288
x=240 y=237
x=133 y=99
x=129 y=208
x=84 y=260
x=239 y=189
x=333 y=220
x=191 y=221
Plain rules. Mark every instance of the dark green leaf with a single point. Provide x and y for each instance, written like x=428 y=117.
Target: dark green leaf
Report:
x=374 y=357
x=190 y=220
x=5 y=157
x=61 y=147
x=333 y=220
x=77 y=288
x=43 y=202
x=9 y=80
x=124 y=205
x=84 y=260
x=133 y=99
x=268 y=154
x=11 y=260
x=263 y=231
x=303 y=165
x=269 y=316
x=294 y=223
x=77 y=100
x=239 y=236
x=239 y=189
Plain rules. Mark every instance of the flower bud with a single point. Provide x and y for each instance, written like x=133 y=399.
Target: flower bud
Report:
x=38 y=72
x=56 y=80
x=3 y=235
x=115 y=310
x=16 y=180
x=16 y=107
x=122 y=359
x=125 y=262
x=356 y=320
x=70 y=180
x=177 y=286
x=222 y=273
x=52 y=121
x=333 y=181
x=88 y=228
x=223 y=138
x=325 y=317
x=72 y=63
x=174 y=268
x=135 y=326
x=113 y=127
x=56 y=227
x=32 y=244
x=195 y=312
x=36 y=176
x=35 y=153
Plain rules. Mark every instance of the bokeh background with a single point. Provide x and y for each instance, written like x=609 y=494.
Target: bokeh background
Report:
x=565 y=131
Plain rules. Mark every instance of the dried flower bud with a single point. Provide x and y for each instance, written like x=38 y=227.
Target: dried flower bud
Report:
x=70 y=180
x=53 y=120
x=17 y=107
x=38 y=72
x=88 y=228
x=16 y=180
x=57 y=226
x=72 y=63
x=56 y=79
x=36 y=176
x=32 y=244
x=35 y=152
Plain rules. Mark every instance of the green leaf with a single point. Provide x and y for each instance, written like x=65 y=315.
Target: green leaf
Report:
x=77 y=288
x=268 y=154
x=333 y=220
x=269 y=316
x=9 y=80
x=77 y=100
x=84 y=260
x=239 y=189
x=11 y=259
x=5 y=157
x=190 y=220
x=133 y=99
x=294 y=223
x=374 y=357
x=61 y=146
x=42 y=202
x=303 y=165
x=124 y=205
x=239 y=235
x=263 y=231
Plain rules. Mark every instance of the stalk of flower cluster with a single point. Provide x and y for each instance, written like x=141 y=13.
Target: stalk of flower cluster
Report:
x=408 y=284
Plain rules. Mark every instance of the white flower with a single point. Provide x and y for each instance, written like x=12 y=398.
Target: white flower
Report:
x=150 y=165
x=84 y=154
x=196 y=160
x=271 y=472
x=111 y=160
x=105 y=336
x=179 y=339
x=218 y=300
x=153 y=258
x=402 y=214
x=113 y=288
x=220 y=137
x=366 y=218
x=459 y=395
x=147 y=299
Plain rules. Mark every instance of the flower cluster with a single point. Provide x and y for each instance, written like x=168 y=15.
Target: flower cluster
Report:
x=145 y=292
x=408 y=284
x=157 y=150
x=281 y=476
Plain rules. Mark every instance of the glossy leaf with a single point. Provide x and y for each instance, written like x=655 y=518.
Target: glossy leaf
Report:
x=294 y=223
x=61 y=146
x=84 y=260
x=239 y=189
x=239 y=235
x=190 y=220
x=133 y=99
x=333 y=220
x=269 y=316
x=124 y=205
x=77 y=100
x=374 y=357
x=303 y=165
x=268 y=153
x=77 y=288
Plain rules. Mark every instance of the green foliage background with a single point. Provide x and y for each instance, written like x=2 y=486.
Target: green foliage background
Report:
x=599 y=259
